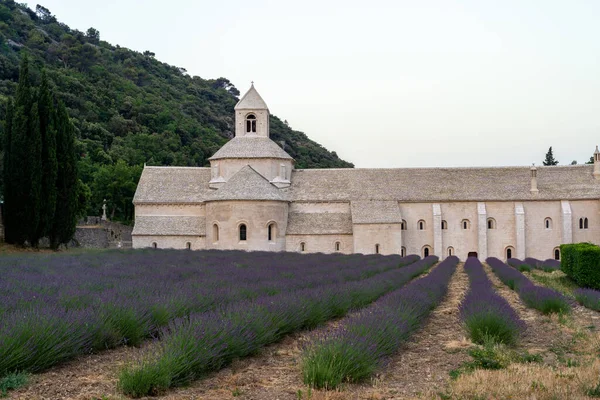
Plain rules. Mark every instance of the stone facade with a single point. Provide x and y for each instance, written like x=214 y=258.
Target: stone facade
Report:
x=252 y=198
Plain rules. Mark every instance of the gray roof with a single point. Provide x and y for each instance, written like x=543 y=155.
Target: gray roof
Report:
x=319 y=224
x=251 y=147
x=443 y=184
x=251 y=101
x=163 y=225
x=375 y=212
x=173 y=185
x=247 y=184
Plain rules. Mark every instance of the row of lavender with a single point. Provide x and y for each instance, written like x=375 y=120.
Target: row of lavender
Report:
x=486 y=315
x=55 y=307
x=541 y=298
x=548 y=265
x=205 y=342
x=357 y=348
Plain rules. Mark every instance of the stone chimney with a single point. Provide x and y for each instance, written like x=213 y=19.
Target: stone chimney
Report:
x=534 y=189
x=596 y=164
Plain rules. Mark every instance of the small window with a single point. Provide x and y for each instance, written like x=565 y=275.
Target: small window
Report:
x=154 y=245
x=188 y=245
x=557 y=253
x=337 y=246
x=302 y=246
x=466 y=224
x=377 y=249
x=215 y=233
x=403 y=251
x=491 y=223
x=585 y=223
x=548 y=223
x=250 y=123
x=403 y=225
x=444 y=224
x=426 y=251
x=450 y=251
x=243 y=232
x=509 y=252
x=421 y=225
x=271 y=231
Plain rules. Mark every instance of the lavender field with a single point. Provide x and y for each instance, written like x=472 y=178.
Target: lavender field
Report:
x=57 y=306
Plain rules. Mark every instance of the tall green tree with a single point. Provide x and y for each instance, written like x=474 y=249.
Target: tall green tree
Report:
x=47 y=120
x=9 y=229
x=550 y=158
x=23 y=167
x=67 y=204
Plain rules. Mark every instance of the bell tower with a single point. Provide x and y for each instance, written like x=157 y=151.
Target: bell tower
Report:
x=251 y=115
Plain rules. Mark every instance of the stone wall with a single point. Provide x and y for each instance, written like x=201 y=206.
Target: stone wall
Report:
x=94 y=233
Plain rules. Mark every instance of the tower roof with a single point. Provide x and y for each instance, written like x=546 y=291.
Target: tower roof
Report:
x=250 y=147
x=251 y=101
x=247 y=184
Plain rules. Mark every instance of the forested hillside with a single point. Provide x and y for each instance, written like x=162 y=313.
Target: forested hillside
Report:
x=128 y=108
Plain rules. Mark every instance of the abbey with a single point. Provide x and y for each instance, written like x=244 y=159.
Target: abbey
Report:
x=252 y=198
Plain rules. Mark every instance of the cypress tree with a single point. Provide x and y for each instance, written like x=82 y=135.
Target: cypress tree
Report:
x=48 y=153
x=7 y=175
x=20 y=166
x=34 y=204
x=549 y=160
x=65 y=217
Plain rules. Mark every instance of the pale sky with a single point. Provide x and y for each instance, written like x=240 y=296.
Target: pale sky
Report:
x=419 y=83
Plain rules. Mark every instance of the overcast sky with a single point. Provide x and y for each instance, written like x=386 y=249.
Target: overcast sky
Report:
x=389 y=83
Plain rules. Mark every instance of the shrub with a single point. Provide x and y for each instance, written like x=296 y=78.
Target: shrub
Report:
x=581 y=262
x=524 y=268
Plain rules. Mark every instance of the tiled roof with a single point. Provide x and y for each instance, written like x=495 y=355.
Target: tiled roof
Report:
x=251 y=100
x=169 y=225
x=173 y=185
x=319 y=223
x=247 y=184
x=250 y=147
x=444 y=184
x=375 y=212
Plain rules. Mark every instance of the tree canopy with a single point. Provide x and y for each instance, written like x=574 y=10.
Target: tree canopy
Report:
x=549 y=160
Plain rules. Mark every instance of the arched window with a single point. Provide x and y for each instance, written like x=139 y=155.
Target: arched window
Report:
x=491 y=223
x=421 y=225
x=215 y=233
x=403 y=225
x=243 y=232
x=250 y=123
x=426 y=251
x=450 y=251
x=188 y=245
x=548 y=223
x=509 y=252
x=403 y=251
x=466 y=224
x=557 y=253
x=338 y=246
x=377 y=249
x=271 y=231
x=302 y=246
x=585 y=223
x=580 y=223
x=154 y=245
x=444 y=224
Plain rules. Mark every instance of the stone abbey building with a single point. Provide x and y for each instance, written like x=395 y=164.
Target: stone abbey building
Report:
x=252 y=198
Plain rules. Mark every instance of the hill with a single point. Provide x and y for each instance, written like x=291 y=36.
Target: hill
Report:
x=128 y=107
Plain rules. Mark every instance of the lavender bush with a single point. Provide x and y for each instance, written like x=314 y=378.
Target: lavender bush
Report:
x=54 y=307
x=486 y=315
x=204 y=342
x=589 y=298
x=541 y=298
x=357 y=348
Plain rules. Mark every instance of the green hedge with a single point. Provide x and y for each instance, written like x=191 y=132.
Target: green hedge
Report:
x=581 y=262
